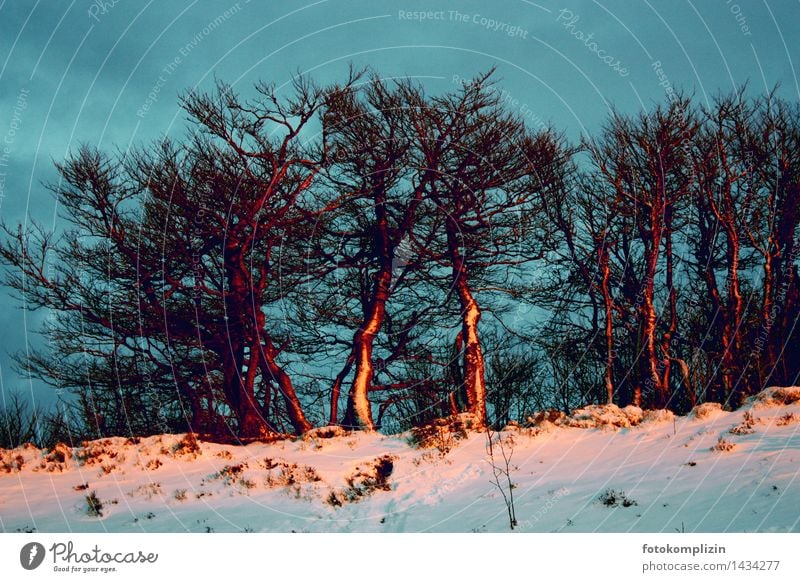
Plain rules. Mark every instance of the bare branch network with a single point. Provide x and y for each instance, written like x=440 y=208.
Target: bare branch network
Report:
x=373 y=256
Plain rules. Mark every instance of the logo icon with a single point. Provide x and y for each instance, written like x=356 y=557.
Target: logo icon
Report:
x=31 y=555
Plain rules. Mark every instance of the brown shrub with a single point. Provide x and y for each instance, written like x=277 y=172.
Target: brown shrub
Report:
x=98 y=452
x=187 y=446
x=723 y=446
x=706 y=410
x=57 y=458
x=787 y=394
x=288 y=474
x=364 y=482
x=11 y=463
x=443 y=433
x=746 y=427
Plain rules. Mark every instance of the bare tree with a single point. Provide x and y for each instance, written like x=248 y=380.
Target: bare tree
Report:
x=645 y=160
x=491 y=177
x=772 y=144
x=368 y=143
x=165 y=277
x=722 y=204
x=18 y=421
x=501 y=470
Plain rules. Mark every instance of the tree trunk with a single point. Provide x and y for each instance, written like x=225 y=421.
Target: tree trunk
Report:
x=608 y=302
x=650 y=361
x=717 y=314
x=649 y=317
x=239 y=391
x=233 y=342
x=686 y=376
x=732 y=344
x=458 y=396
x=191 y=395
x=271 y=369
x=336 y=390
x=666 y=340
x=474 y=365
x=242 y=400
x=359 y=411
x=768 y=307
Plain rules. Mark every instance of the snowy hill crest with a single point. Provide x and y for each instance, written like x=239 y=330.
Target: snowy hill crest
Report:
x=599 y=469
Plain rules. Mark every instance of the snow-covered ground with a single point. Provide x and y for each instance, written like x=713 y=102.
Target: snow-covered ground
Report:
x=654 y=474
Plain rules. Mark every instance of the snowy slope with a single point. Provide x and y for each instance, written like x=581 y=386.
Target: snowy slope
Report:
x=666 y=474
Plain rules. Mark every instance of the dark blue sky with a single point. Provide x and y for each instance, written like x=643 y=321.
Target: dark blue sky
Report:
x=109 y=72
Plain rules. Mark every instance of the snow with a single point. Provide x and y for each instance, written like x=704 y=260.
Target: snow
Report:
x=600 y=469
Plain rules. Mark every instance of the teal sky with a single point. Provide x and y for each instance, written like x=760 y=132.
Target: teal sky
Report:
x=109 y=72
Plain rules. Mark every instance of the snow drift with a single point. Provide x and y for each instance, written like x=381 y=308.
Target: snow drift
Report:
x=601 y=468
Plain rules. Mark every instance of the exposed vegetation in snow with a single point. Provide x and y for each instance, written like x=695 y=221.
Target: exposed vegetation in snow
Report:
x=600 y=468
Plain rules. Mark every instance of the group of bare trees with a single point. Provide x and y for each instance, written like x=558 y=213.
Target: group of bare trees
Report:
x=371 y=255
x=680 y=240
